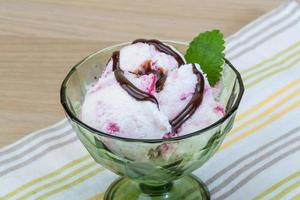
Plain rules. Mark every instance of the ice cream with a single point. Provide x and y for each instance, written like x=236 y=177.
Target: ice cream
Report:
x=149 y=91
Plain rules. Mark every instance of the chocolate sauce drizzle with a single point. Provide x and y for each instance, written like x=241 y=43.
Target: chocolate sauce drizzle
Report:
x=146 y=69
x=193 y=104
x=127 y=85
x=162 y=48
x=140 y=95
x=161 y=82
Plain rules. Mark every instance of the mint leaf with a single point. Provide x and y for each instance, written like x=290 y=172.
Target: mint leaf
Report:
x=207 y=49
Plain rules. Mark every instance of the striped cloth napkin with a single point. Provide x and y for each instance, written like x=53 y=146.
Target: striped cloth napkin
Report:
x=259 y=159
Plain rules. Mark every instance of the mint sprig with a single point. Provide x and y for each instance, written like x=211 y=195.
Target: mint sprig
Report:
x=207 y=49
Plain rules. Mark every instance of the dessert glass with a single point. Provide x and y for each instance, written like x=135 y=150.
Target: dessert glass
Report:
x=149 y=168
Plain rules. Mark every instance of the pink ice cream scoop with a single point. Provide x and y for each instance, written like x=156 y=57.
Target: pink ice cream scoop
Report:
x=149 y=91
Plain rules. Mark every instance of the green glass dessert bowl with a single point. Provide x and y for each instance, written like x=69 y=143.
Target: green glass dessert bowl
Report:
x=146 y=171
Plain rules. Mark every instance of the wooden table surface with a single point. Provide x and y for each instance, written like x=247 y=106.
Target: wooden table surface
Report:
x=41 y=40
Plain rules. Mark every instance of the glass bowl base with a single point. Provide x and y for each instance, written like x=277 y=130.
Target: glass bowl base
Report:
x=187 y=188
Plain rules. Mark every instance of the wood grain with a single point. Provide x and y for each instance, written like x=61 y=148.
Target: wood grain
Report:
x=41 y=40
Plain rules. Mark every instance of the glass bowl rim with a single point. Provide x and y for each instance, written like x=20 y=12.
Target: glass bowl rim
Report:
x=71 y=116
